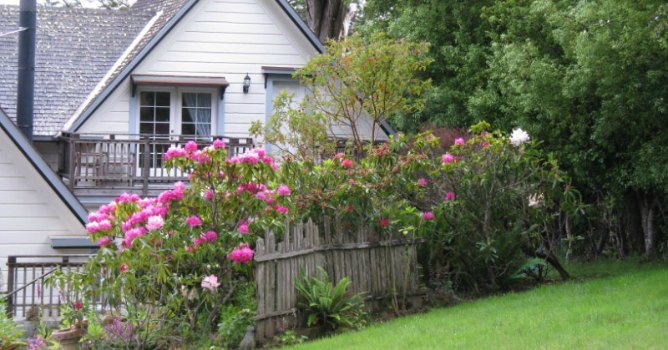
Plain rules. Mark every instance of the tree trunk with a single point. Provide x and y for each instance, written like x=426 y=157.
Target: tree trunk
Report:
x=631 y=227
x=648 y=205
x=326 y=18
x=550 y=259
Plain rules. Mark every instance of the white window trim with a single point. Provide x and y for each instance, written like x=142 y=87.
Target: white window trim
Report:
x=176 y=104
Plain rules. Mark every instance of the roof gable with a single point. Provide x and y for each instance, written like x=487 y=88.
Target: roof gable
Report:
x=31 y=155
x=173 y=13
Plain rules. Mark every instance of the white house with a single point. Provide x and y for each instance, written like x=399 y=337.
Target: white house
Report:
x=114 y=89
x=38 y=214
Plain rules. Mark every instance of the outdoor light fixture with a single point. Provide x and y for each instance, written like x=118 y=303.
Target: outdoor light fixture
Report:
x=246 y=83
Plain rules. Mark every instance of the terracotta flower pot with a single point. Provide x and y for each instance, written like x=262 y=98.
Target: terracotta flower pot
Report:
x=69 y=337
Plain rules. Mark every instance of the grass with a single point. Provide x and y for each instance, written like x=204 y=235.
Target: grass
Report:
x=609 y=305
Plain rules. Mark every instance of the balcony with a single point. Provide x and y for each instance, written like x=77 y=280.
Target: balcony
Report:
x=107 y=165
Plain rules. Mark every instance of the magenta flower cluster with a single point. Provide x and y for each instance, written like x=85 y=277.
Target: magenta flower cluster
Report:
x=241 y=255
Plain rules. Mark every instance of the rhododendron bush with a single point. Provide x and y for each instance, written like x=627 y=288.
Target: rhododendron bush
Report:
x=483 y=204
x=473 y=202
x=175 y=259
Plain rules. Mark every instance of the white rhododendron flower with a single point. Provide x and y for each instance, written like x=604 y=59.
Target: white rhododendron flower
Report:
x=519 y=137
x=536 y=200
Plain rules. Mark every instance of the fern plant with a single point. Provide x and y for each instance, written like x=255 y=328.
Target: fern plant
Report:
x=328 y=305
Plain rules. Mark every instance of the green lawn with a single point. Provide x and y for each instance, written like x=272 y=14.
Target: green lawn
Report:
x=610 y=305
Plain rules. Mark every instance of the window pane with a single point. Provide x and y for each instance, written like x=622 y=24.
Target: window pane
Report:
x=146 y=98
x=204 y=116
x=189 y=99
x=146 y=128
x=146 y=114
x=162 y=114
x=188 y=129
x=162 y=99
x=203 y=100
x=188 y=113
x=162 y=128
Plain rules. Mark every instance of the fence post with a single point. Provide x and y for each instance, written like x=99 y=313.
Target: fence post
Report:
x=11 y=266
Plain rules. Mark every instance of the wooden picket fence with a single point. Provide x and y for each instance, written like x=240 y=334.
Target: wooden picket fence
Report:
x=377 y=265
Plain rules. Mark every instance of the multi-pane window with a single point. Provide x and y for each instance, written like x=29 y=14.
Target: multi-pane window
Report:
x=168 y=112
x=154 y=112
x=196 y=114
x=177 y=111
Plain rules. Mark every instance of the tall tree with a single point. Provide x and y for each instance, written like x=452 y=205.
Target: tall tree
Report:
x=326 y=18
x=588 y=78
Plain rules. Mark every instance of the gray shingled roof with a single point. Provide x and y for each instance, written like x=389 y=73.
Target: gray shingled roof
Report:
x=75 y=49
x=167 y=10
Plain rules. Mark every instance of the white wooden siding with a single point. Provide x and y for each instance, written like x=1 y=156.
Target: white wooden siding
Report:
x=113 y=116
x=30 y=211
x=229 y=38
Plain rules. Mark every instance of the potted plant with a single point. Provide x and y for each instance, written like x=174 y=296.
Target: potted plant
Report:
x=73 y=311
x=73 y=316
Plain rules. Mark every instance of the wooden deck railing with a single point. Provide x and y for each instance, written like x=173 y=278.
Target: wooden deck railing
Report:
x=25 y=283
x=128 y=162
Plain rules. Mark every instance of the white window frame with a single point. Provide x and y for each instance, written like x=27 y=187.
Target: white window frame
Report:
x=176 y=103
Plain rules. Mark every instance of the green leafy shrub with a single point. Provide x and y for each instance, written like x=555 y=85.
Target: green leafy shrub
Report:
x=166 y=265
x=328 y=305
x=10 y=334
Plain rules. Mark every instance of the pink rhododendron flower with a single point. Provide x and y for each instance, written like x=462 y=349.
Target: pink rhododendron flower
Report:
x=485 y=144
x=124 y=268
x=203 y=158
x=208 y=195
x=103 y=241
x=155 y=223
x=241 y=255
x=107 y=208
x=194 y=221
x=174 y=152
x=281 y=209
x=191 y=147
x=218 y=143
x=197 y=241
x=127 y=198
x=422 y=182
x=97 y=217
x=243 y=228
x=92 y=227
x=459 y=141
x=283 y=190
x=210 y=282
x=209 y=236
x=347 y=163
x=447 y=158
x=428 y=215
x=261 y=196
x=449 y=196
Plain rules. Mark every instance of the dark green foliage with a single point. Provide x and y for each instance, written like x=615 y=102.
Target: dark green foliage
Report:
x=588 y=78
x=327 y=305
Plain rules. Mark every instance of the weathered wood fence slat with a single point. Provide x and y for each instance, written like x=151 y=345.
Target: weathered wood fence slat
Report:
x=378 y=265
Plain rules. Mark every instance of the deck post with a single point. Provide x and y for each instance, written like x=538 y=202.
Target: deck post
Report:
x=145 y=165
x=11 y=266
x=72 y=161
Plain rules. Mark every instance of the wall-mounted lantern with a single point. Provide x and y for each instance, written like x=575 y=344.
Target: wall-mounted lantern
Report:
x=246 y=84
